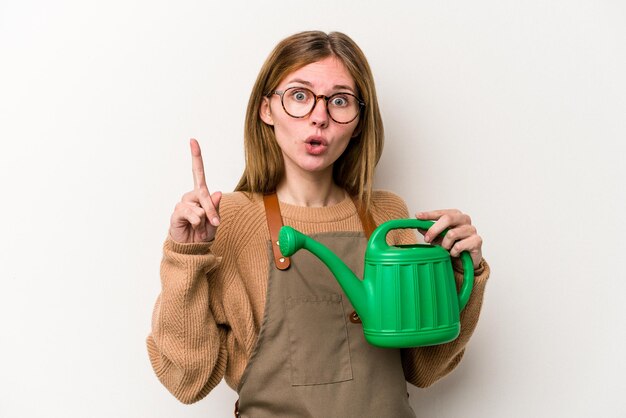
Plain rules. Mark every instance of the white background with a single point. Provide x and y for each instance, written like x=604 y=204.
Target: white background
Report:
x=511 y=111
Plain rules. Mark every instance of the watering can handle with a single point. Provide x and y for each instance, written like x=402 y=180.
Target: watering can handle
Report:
x=379 y=240
x=379 y=236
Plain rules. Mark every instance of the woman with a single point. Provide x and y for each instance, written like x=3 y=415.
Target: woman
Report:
x=287 y=338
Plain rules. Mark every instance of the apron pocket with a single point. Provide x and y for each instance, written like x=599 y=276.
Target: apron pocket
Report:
x=318 y=337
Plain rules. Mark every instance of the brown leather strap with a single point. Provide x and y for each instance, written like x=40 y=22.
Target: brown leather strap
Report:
x=367 y=220
x=274 y=223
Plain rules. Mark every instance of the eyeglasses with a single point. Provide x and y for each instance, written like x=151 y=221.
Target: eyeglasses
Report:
x=299 y=102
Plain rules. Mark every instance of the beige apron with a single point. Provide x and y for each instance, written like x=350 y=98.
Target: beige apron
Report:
x=311 y=358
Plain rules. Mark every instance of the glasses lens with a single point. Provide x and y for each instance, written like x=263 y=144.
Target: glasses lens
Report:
x=343 y=107
x=299 y=102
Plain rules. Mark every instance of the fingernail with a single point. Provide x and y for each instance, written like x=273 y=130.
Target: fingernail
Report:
x=426 y=238
x=419 y=214
x=215 y=221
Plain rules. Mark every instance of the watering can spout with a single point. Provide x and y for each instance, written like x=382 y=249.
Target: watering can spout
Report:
x=290 y=241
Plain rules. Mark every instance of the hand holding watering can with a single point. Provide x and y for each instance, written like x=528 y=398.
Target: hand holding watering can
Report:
x=461 y=235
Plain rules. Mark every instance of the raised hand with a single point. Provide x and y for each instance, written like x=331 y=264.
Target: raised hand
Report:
x=196 y=216
x=461 y=235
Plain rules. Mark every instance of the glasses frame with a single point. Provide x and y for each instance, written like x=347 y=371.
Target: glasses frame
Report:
x=281 y=94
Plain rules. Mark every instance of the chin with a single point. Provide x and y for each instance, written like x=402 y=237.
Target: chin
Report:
x=315 y=168
x=313 y=163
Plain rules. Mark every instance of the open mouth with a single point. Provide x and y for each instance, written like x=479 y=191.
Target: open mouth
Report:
x=316 y=145
x=316 y=141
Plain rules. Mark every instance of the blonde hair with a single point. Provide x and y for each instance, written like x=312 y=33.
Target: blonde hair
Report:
x=354 y=170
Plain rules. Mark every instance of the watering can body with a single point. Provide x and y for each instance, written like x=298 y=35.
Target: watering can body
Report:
x=408 y=296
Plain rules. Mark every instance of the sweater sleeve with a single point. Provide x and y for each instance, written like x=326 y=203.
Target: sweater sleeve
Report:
x=187 y=348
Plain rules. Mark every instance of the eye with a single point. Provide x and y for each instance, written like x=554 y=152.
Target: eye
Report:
x=341 y=100
x=299 y=95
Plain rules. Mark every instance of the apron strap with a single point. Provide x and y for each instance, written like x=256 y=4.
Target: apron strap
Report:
x=274 y=223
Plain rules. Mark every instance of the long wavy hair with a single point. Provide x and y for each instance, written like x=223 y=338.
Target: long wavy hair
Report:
x=354 y=170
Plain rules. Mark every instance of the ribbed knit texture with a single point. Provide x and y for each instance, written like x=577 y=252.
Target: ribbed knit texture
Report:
x=208 y=316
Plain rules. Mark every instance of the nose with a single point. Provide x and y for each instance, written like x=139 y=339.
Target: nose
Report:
x=319 y=115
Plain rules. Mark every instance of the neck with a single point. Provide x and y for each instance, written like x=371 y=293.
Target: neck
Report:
x=310 y=191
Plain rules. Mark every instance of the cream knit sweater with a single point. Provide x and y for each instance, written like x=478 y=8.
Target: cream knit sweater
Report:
x=208 y=316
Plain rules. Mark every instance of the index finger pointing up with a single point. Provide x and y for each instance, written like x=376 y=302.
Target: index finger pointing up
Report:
x=197 y=166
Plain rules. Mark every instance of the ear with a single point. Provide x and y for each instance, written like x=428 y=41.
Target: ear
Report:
x=265 y=112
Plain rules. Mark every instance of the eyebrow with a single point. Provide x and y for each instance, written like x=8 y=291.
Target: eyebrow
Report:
x=308 y=83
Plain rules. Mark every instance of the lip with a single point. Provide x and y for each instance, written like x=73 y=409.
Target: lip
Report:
x=317 y=139
x=316 y=145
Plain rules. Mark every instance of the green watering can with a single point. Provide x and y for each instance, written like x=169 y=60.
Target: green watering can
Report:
x=408 y=296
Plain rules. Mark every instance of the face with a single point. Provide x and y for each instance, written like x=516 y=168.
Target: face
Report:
x=311 y=144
